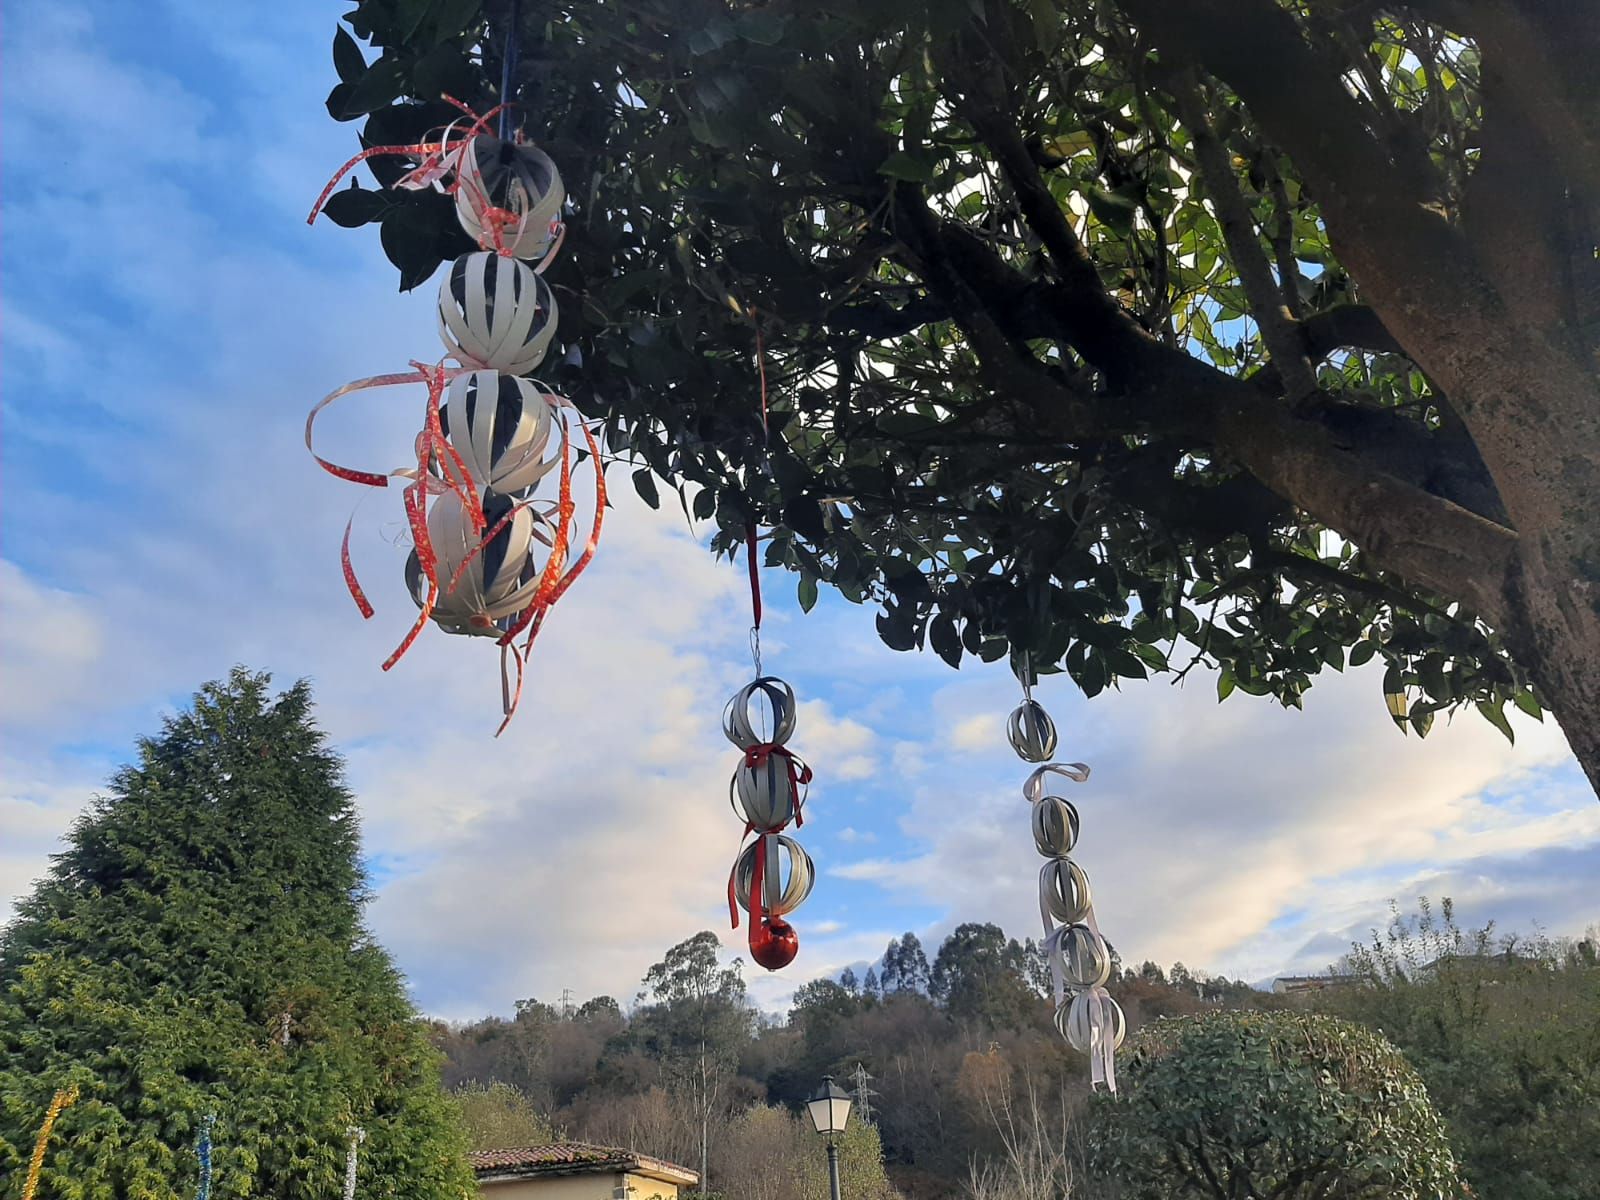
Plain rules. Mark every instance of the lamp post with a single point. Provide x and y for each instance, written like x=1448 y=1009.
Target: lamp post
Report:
x=830 y=1109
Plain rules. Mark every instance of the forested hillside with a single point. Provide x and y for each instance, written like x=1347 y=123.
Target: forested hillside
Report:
x=969 y=1088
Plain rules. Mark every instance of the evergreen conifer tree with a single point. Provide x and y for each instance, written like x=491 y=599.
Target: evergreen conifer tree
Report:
x=199 y=949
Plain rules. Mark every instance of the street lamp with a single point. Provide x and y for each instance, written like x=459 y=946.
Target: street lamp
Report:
x=830 y=1109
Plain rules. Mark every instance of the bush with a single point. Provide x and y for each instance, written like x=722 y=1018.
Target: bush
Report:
x=1505 y=1033
x=1268 y=1104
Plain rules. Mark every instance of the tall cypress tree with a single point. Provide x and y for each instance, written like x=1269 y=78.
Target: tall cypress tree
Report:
x=199 y=948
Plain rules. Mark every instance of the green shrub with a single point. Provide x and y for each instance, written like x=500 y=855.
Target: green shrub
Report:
x=1258 y=1104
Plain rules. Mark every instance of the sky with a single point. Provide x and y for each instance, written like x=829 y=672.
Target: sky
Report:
x=167 y=320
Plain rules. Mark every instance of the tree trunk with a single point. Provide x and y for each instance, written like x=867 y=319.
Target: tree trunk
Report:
x=1559 y=642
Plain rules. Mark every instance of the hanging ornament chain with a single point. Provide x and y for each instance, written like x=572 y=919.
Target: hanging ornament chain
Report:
x=491 y=432
x=203 y=1153
x=357 y=1135
x=768 y=788
x=1080 y=961
x=63 y=1099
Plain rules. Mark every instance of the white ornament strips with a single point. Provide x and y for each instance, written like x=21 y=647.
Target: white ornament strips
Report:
x=1080 y=960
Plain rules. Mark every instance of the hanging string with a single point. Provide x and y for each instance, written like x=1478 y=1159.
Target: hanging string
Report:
x=750 y=533
x=203 y=1192
x=65 y=1098
x=508 y=67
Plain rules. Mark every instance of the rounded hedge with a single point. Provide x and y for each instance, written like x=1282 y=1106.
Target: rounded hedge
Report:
x=1288 y=1105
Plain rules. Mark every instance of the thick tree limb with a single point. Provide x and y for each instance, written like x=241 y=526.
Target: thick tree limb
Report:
x=1357 y=326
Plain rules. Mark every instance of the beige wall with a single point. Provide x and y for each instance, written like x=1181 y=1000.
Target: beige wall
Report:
x=599 y=1186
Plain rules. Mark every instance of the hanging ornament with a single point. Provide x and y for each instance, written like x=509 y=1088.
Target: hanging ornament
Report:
x=1031 y=731
x=509 y=197
x=772 y=875
x=495 y=312
x=203 y=1153
x=1080 y=960
x=357 y=1135
x=488 y=557
x=63 y=1099
x=501 y=426
x=491 y=577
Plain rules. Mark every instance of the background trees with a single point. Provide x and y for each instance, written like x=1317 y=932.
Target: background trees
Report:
x=977 y=1094
x=198 y=948
x=1127 y=335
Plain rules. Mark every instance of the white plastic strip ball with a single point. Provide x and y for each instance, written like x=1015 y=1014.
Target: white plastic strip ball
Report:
x=1055 y=826
x=1064 y=891
x=501 y=426
x=1031 y=732
x=499 y=580
x=521 y=180
x=1086 y=962
x=1087 y=1017
x=764 y=795
x=495 y=313
x=780 y=895
x=746 y=723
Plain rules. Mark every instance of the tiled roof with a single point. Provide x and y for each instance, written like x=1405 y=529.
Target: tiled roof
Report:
x=572 y=1158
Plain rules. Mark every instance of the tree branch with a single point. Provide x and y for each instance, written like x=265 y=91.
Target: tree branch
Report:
x=1244 y=245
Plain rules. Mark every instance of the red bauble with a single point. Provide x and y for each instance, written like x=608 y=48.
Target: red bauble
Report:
x=774 y=943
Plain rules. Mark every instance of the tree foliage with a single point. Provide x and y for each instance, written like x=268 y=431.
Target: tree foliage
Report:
x=499 y=1116
x=1505 y=1032
x=1113 y=336
x=1270 y=1104
x=198 y=949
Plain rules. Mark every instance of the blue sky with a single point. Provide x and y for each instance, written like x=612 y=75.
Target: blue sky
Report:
x=168 y=318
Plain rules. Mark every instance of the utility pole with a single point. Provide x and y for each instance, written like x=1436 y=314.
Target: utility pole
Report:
x=863 y=1093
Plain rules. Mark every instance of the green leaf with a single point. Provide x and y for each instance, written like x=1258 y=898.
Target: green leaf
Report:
x=1528 y=703
x=1064 y=146
x=452 y=18
x=644 y=482
x=378 y=88
x=348 y=60
x=409 y=15
x=705 y=503
x=908 y=167
x=807 y=593
x=760 y=25
x=1226 y=682
x=1361 y=653
x=896 y=629
x=356 y=206
x=1493 y=711
x=1112 y=210
x=945 y=640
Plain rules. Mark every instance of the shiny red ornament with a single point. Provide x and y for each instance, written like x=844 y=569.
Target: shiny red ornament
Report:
x=773 y=943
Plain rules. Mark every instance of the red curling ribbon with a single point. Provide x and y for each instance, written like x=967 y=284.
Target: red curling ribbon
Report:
x=755 y=577
x=553 y=585
x=359 y=596
x=435 y=156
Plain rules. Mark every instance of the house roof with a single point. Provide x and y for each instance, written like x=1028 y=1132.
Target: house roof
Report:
x=574 y=1158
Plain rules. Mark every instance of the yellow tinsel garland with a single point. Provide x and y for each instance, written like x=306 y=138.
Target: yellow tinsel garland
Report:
x=61 y=1100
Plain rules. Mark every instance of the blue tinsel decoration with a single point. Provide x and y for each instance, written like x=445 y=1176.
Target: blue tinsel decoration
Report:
x=204 y=1151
